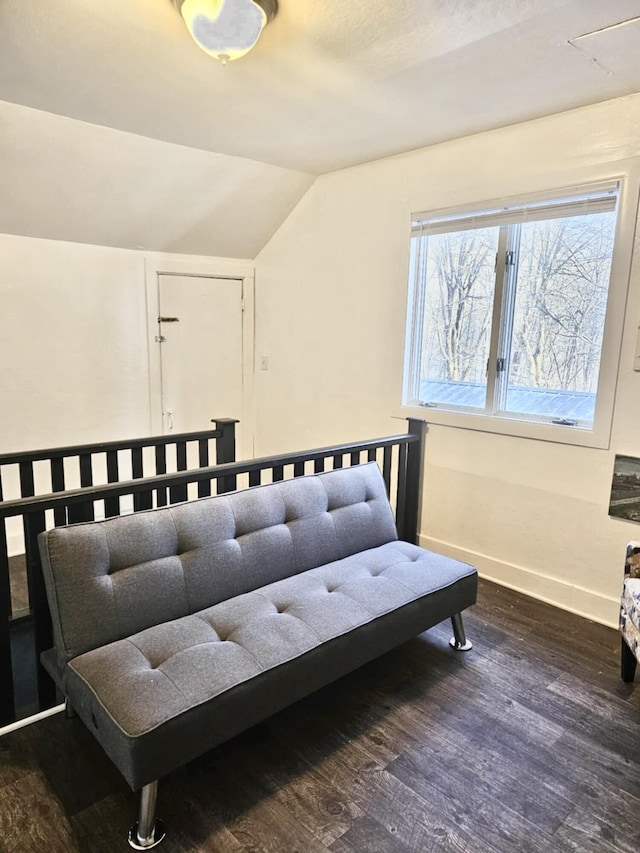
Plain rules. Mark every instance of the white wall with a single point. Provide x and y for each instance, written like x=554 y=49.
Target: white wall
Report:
x=331 y=295
x=74 y=344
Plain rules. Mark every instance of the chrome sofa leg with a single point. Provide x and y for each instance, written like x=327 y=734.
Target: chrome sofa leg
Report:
x=459 y=640
x=148 y=831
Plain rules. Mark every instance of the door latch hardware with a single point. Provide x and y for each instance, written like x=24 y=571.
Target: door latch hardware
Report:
x=168 y=319
x=160 y=339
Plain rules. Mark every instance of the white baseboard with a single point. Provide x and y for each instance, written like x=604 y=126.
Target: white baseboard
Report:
x=575 y=599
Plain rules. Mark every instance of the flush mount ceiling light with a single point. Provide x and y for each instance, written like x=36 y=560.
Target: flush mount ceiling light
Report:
x=226 y=29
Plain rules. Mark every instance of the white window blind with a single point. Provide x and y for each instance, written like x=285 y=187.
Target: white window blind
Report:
x=599 y=199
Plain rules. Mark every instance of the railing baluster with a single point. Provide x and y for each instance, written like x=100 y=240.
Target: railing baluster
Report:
x=112 y=505
x=181 y=455
x=57 y=485
x=203 y=453
x=161 y=459
x=136 y=463
x=34 y=524
x=161 y=468
x=141 y=500
x=86 y=469
x=80 y=512
x=27 y=487
x=204 y=486
x=7 y=706
x=255 y=477
x=355 y=458
x=338 y=461
x=57 y=474
x=372 y=454
x=179 y=493
x=318 y=465
x=298 y=469
x=278 y=473
x=386 y=468
x=86 y=479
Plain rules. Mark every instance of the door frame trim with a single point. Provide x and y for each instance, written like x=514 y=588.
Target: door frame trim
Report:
x=244 y=271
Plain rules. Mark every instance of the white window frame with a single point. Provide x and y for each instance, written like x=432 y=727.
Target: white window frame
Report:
x=599 y=434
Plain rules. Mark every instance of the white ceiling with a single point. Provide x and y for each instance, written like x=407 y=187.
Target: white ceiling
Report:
x=331 y=83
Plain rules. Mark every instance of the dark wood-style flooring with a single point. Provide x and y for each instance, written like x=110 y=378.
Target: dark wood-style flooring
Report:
x=530 y=742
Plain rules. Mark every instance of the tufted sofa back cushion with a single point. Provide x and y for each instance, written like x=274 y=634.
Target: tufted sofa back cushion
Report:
x=109 y=579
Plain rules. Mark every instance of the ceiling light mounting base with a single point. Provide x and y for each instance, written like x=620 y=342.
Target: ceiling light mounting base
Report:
x=269 y=7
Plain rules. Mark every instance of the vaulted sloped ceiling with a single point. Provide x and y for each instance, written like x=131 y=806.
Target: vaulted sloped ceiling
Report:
x=65 y=179
x=116 y=129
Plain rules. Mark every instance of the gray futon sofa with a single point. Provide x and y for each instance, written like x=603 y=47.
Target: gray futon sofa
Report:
x=179 y=627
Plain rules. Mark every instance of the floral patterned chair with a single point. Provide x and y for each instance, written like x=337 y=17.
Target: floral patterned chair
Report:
x=630 y=612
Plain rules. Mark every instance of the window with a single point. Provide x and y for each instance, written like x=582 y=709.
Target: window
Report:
x=508 y=307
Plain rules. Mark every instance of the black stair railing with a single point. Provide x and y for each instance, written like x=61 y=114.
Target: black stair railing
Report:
x=62 y=468
x=399 y=457
x=55 y=471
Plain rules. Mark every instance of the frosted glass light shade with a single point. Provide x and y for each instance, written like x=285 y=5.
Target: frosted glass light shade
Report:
x=226 y=29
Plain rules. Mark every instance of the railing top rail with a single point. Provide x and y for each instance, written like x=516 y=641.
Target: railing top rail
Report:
x=144 y=484
x=104 y=446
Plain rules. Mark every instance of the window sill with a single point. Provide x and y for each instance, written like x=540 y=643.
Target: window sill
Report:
x=597 y=437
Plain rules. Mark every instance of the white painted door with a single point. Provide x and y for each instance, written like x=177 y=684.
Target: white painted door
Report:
x=200 y=332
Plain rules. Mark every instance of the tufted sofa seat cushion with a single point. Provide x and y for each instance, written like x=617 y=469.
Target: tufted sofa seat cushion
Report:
x=133 y=689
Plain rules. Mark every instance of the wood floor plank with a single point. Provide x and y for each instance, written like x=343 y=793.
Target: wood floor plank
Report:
x=418 y=822
x=269 y=827
x=598 y=702
x=473 y=810
x=347 y=763
x=69 y=756
x=273 y=766
x=601 y=828
x=461 y=764
x=106 y=822
x=367 y=836
x=31 y=818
